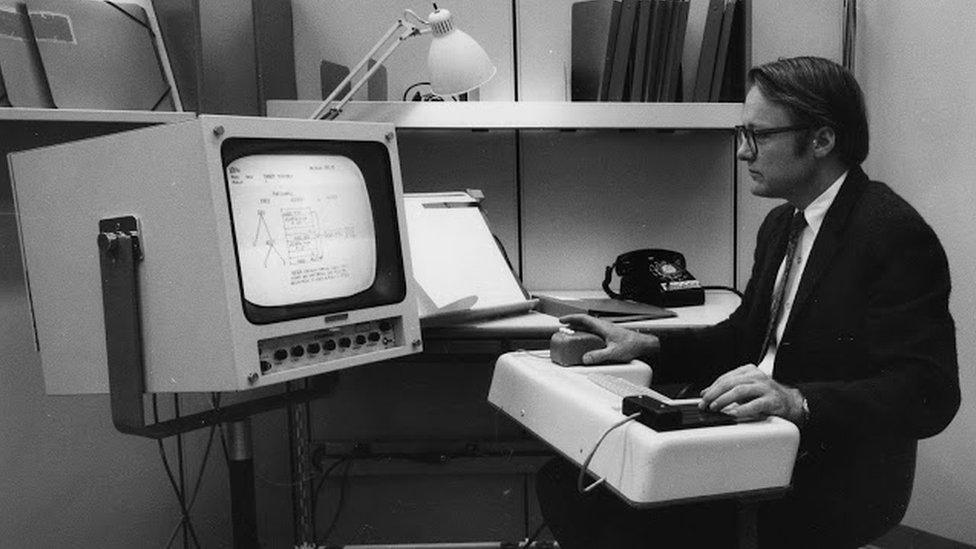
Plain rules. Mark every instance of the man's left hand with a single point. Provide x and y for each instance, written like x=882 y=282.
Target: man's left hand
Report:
x=753 y=393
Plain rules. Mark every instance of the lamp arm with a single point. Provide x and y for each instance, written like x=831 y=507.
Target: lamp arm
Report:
x=325 y=110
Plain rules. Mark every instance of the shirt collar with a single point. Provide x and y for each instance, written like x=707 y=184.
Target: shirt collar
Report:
x=817 y=210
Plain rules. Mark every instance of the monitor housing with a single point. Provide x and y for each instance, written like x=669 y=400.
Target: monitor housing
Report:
x=273 y=250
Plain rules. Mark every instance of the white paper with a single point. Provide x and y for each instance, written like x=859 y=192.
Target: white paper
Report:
x=455 y=257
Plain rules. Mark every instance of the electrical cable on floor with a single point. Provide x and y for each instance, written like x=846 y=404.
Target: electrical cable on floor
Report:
x=172 y=480
x=586 y=462
x=181 y=467
x=321 y=482
x=339 y=504
x=196 y=485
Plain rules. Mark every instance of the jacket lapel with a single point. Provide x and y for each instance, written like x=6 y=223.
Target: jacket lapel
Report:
x=829 y=239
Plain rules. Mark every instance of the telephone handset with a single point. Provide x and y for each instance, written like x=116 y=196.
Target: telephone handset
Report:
x=654 y=276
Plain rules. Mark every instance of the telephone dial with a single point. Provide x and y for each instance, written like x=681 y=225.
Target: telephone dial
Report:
x=655 y=276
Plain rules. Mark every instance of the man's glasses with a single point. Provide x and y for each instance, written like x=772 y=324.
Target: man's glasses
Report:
x=749 y=135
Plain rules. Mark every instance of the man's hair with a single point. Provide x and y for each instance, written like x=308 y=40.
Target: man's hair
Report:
x=818 y=92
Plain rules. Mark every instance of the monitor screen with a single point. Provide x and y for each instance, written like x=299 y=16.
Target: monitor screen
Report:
x=305 y=228
x=311 y=223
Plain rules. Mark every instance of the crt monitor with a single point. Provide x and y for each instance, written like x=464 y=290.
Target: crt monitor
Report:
x=273 y=250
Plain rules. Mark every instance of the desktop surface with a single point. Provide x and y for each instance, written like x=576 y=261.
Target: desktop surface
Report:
x=534 y=325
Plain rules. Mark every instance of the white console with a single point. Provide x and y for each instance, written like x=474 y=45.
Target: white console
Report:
x=569 y=412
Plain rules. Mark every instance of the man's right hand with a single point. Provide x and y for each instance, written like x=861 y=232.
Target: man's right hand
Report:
x=622 y=345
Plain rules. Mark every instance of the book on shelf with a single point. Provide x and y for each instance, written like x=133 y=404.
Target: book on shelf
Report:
x=644 y=12
x=732 y=88
x=676 y=46
x=622 y=51
x=709 y=49
x=656 y=45
x=611 y=43
x=725 y=36
x=590 y=21
x=642 y=56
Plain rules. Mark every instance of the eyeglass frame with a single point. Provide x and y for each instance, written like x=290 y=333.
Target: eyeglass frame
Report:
x=751 y=134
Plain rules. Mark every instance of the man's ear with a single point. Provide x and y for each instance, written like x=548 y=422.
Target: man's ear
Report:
x=824 y=140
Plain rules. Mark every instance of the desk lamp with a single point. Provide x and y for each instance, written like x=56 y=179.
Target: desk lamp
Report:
x=457 y=64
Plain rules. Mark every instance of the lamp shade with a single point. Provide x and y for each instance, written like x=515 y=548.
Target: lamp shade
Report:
x=457 y=64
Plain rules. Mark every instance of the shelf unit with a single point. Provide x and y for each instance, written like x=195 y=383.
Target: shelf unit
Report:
x=571 y=185
x=528 y=114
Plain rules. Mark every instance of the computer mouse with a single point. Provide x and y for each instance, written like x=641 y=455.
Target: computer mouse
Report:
x=567 y=347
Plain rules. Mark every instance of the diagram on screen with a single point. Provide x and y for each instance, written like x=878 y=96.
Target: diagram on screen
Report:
x=308 y=226
x=268 y=239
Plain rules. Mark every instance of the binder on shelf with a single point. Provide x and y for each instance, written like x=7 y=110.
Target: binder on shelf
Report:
x=460 y=270
x=100 y=55
x=675 y=46
x=3 y=93
x=608 y=57
x=20 y=63
x=657 y=45
x=644 y=12
x=722 y=51
x=590 y=21
x=732 y=88
x=622 y=51
x=709 y=49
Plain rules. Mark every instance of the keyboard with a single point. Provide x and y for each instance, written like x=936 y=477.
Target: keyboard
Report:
x=620 y=386
x=656 y=412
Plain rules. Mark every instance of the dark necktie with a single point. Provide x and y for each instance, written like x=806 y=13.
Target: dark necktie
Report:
x=779 y=292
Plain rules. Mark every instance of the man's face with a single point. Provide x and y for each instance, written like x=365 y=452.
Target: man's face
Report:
x=780 y=168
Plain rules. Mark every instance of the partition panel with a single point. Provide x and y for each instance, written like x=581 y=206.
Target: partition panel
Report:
x=588 y=196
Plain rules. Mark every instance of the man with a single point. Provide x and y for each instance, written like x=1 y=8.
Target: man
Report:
x=844 y=329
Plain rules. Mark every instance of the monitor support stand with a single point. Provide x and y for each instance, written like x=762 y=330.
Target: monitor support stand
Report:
x=120 y=254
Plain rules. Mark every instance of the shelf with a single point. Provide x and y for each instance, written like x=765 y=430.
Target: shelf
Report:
x=528 y=114
x=87 y=115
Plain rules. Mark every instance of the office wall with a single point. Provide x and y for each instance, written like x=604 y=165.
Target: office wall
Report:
x=915 y=64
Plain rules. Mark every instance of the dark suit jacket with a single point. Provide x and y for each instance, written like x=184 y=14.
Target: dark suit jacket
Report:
x=871 y=345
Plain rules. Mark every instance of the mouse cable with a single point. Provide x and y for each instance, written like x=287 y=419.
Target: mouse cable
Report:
x=586 y=463
x=531 y=539
x=538 y=353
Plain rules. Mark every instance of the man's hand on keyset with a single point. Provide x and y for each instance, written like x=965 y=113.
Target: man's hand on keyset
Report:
x=754 y=393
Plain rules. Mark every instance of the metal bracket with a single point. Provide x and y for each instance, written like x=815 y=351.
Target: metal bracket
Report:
x=120 y=252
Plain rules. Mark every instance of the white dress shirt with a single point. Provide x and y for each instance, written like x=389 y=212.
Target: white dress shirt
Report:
x=814 y=214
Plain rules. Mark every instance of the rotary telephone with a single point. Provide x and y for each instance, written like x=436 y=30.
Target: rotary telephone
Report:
x=655 y=276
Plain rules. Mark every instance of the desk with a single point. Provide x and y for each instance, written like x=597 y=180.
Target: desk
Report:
x=434 y=461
